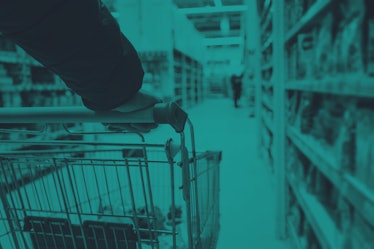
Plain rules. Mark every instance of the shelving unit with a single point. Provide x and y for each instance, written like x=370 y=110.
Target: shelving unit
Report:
x=181 y=77
x=188 y=84
x=350 y=85
x=266 y=23
x=24 y=83
x=354 y=191
x=21 y=76
x=319 y=8
x=322 y=99
x=322 y=224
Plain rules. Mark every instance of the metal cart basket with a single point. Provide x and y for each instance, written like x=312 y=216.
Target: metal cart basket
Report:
x=74 y=193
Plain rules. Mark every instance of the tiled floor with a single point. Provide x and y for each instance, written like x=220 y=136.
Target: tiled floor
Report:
x=247 y=196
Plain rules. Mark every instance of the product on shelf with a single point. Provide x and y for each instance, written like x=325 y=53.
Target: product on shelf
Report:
x=323 y=189
x=292 y=61
x=6 y=44
x=4 y=78
x=348 y=43
x=344 y=217
x=329 y=119
x=295 y=9
x=364 y=162
x=310 y=237
x=310 y=180
x=306 y=112
x=296 y=217
x=292 y=105
x=305 y=54
x=290 y=158
x=323 y=46
x=370 y=47
x=344 y=147
x=352 y=58
x=299 y=166
x=361 y=235
x=11 y=99
x=18 y=72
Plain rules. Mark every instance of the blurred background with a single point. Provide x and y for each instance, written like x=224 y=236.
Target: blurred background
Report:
x=284 y=88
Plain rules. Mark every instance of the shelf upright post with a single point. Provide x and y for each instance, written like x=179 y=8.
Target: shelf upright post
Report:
x=184 y=80
x=254 y=17
x=279 y=117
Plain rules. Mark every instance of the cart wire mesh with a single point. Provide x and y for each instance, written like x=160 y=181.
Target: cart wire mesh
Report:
x=101 y=195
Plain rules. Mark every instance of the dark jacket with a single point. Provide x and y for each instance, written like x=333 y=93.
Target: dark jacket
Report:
x=81 y=42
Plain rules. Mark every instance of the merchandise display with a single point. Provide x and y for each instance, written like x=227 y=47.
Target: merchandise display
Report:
x=285 y=85
x=329 y=110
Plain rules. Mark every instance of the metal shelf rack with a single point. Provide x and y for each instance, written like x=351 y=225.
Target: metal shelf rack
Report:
x=279 y=41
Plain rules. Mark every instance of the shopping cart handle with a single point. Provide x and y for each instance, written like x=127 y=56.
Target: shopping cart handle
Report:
x=162 y=113
x=170 y=113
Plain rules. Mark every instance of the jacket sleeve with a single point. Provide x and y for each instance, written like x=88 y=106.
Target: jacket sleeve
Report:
x=81 y=42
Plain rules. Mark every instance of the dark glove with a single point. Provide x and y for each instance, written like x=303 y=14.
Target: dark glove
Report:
x=139 y=102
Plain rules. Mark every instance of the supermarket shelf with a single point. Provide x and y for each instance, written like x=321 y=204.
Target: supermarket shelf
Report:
x=354 y=85
x=267 y=43
x=267 y=104
x=268 y=123
x=296 y=240
x=33 y=87
x=310 y=16
x=321 y=222
x=355 y=192
x=267 y=66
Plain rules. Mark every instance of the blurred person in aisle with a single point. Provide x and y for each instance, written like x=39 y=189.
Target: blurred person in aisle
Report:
x=81 y=42
x=236 y=85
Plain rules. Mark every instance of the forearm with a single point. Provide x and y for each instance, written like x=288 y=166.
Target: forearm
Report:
x=81 y=43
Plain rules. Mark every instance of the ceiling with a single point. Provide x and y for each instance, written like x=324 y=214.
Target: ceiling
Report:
x=209 y=16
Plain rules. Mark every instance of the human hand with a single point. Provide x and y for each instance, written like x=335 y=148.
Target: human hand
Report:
x=139 y=102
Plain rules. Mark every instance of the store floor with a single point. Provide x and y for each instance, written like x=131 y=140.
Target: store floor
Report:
x=247 y=195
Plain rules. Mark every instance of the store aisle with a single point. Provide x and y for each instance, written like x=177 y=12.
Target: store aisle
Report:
x=247 y=196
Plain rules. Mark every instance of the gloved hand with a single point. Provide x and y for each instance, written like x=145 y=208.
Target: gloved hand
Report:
x=140 y=101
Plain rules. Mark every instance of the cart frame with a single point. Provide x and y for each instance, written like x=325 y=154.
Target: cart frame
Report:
x=202 y=225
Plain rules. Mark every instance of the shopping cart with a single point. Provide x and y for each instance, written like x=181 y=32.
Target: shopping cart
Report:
x=87 y=191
